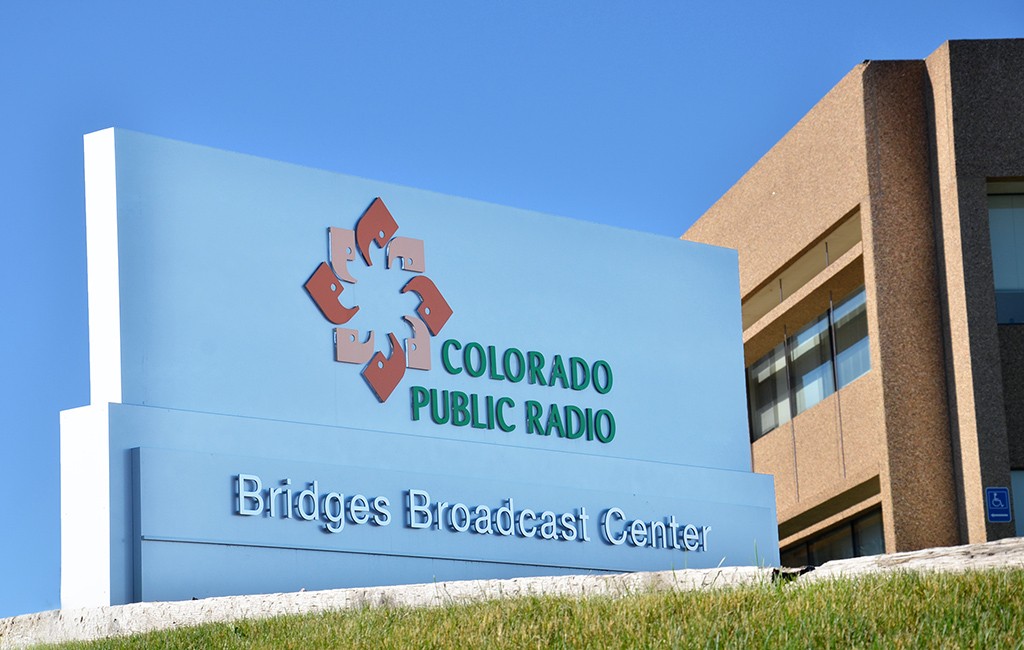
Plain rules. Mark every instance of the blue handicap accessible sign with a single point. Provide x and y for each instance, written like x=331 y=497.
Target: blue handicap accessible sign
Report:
x=997 y=502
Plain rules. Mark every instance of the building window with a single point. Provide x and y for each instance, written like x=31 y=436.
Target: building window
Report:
x=810 y=359
x=857 y=538
x=853 y=358
x=807 y=367
x=1006 y=229
x=768 y=390
x=1017 y=499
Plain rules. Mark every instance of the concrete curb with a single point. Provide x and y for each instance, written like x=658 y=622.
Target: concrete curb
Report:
x=1001 y=554
x=58 y=626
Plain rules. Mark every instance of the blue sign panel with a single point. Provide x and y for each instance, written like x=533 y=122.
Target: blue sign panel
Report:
x=302 y=379
x=366 y=523
x=997 y=504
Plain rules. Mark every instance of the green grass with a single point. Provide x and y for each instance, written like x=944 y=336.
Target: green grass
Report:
x=982 y=609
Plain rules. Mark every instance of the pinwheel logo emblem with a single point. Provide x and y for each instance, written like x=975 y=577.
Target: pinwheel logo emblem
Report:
x=325 y=286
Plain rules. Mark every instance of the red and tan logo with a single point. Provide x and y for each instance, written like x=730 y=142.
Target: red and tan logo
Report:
x=327 y=283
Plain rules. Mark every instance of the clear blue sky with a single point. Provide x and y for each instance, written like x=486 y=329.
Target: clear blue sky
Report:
x=639 y=114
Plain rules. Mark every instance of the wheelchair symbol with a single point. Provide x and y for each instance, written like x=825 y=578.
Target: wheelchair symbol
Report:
x=998 y=500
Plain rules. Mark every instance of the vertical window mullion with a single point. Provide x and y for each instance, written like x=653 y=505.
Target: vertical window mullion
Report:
x=791 y=390
x=832 y=341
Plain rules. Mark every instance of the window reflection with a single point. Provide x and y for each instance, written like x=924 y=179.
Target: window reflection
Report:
x=853 y=358
x=810 y=359
x=769 y=391
x=868 y=535
x=831 y=351
x=1006 y=229
x=836 y=545
x=858 y=538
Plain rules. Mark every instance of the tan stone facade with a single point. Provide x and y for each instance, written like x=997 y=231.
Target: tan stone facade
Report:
x=908 y=149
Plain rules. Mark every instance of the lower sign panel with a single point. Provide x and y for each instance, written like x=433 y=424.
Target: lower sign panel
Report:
x=214 y=524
